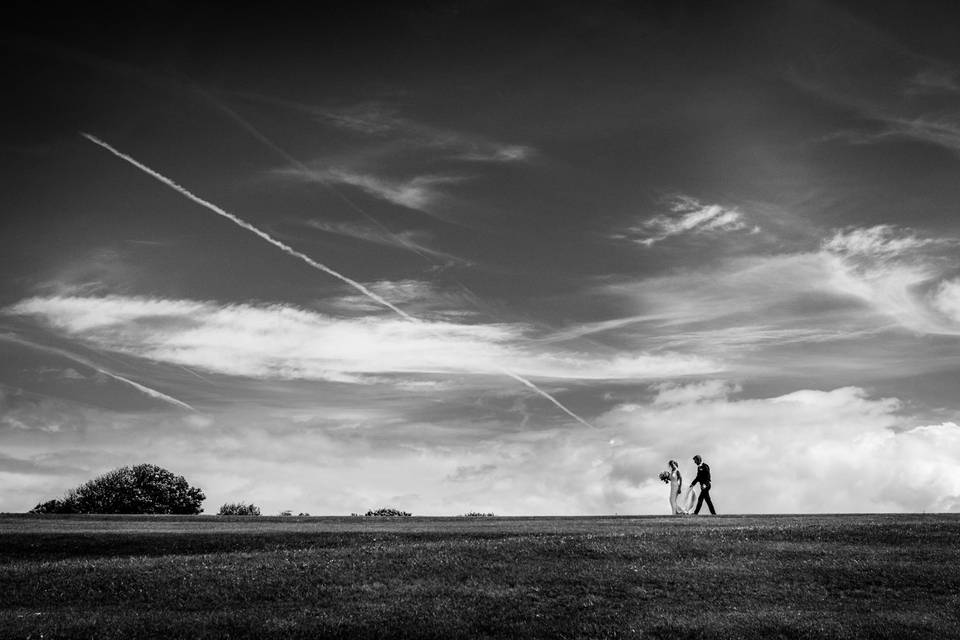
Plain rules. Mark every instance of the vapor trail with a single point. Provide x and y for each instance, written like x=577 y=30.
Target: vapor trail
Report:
x=153 y=393
x=249 y=227
x=310 y=261
x=307 y=171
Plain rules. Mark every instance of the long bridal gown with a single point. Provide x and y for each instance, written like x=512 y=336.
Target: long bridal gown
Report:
x=675 y=483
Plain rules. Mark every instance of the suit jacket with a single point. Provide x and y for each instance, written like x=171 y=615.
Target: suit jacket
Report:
x=703 y=476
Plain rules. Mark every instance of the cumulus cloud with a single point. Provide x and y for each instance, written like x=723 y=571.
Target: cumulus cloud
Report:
x=839 y=450
x=806 y=451
x=687 y=216
x=279 y=341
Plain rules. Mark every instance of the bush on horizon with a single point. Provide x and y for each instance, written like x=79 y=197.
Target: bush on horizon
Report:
x=239 y=509
x=388 y=512
x=141 y=489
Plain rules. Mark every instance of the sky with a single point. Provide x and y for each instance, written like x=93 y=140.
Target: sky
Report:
x=482 y=256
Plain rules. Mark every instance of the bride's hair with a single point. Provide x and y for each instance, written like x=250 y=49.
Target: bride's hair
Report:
x=673 y=464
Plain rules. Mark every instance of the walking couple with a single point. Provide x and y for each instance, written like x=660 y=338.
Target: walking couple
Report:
x=676 y=484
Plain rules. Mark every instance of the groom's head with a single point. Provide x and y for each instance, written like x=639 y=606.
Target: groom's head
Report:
x=697 y=459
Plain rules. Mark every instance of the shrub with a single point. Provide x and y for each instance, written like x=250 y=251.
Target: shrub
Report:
x=388 y=512
x=145 y=488
x=239 y=509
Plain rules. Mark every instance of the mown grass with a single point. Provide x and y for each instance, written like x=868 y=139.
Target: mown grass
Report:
x=726 y=577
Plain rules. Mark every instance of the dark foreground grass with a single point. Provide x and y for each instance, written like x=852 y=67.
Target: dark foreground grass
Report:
x=727 y=577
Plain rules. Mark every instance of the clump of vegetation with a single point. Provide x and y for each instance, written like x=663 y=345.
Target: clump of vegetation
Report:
x=239 y=509
x=389 y=512
x=477 y=514
x=144 y=488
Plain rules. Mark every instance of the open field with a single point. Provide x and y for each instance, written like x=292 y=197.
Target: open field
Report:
x=846 y=576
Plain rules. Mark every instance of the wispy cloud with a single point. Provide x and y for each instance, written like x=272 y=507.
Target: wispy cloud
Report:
x=838 y=307
x=423 y=298
x=942 y=131
x=415 y=241
x=284 y=342
x=420 y=193
x=687 y=216
x=897 y=273
x=883 y=242
x=935 y=80
x=378 y=120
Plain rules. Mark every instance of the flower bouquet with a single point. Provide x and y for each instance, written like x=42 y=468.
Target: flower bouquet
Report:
x=665 y=476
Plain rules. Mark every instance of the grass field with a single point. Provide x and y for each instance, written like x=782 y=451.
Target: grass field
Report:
x=845 y=576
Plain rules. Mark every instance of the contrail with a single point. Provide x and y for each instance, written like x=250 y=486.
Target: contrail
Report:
x=310 y=261
x=249 y=227
x=315 y=177
x=153 y=393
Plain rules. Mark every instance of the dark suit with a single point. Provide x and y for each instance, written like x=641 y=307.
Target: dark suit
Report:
x=703 y=477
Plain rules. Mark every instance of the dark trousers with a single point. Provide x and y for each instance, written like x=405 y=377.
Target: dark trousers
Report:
x=705 y=497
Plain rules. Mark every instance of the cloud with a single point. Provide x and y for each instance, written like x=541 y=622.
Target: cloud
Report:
x=671 y=393
x=898 y=274
x=395 y=158
x=284 y=342
x=883 y=241
x=419 y=193
x=408 y=240
x=860 y=283
x=805 y=451
x=688 y=216
x=746 y=295
x=810 y=450
x=382 y=121
x=942 y=131
x=420 y=298
x=933 y=81
x=946 y=299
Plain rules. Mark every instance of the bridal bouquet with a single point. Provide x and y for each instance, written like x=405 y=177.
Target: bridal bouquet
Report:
x=665 y=476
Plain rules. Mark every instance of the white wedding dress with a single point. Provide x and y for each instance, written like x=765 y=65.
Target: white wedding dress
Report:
x=675 y=482
x=689 y=501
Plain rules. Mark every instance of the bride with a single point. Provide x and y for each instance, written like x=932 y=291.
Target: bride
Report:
x=676 y=486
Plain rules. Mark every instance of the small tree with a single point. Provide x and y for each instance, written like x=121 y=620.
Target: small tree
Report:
x=239 y=509
x=144 y=488
x=388 y=512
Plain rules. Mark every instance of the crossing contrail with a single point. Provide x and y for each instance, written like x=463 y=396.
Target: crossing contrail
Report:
x=153 y=393
x=310 y=261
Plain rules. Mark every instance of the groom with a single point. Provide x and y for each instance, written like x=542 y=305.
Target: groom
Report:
x=703 y=477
